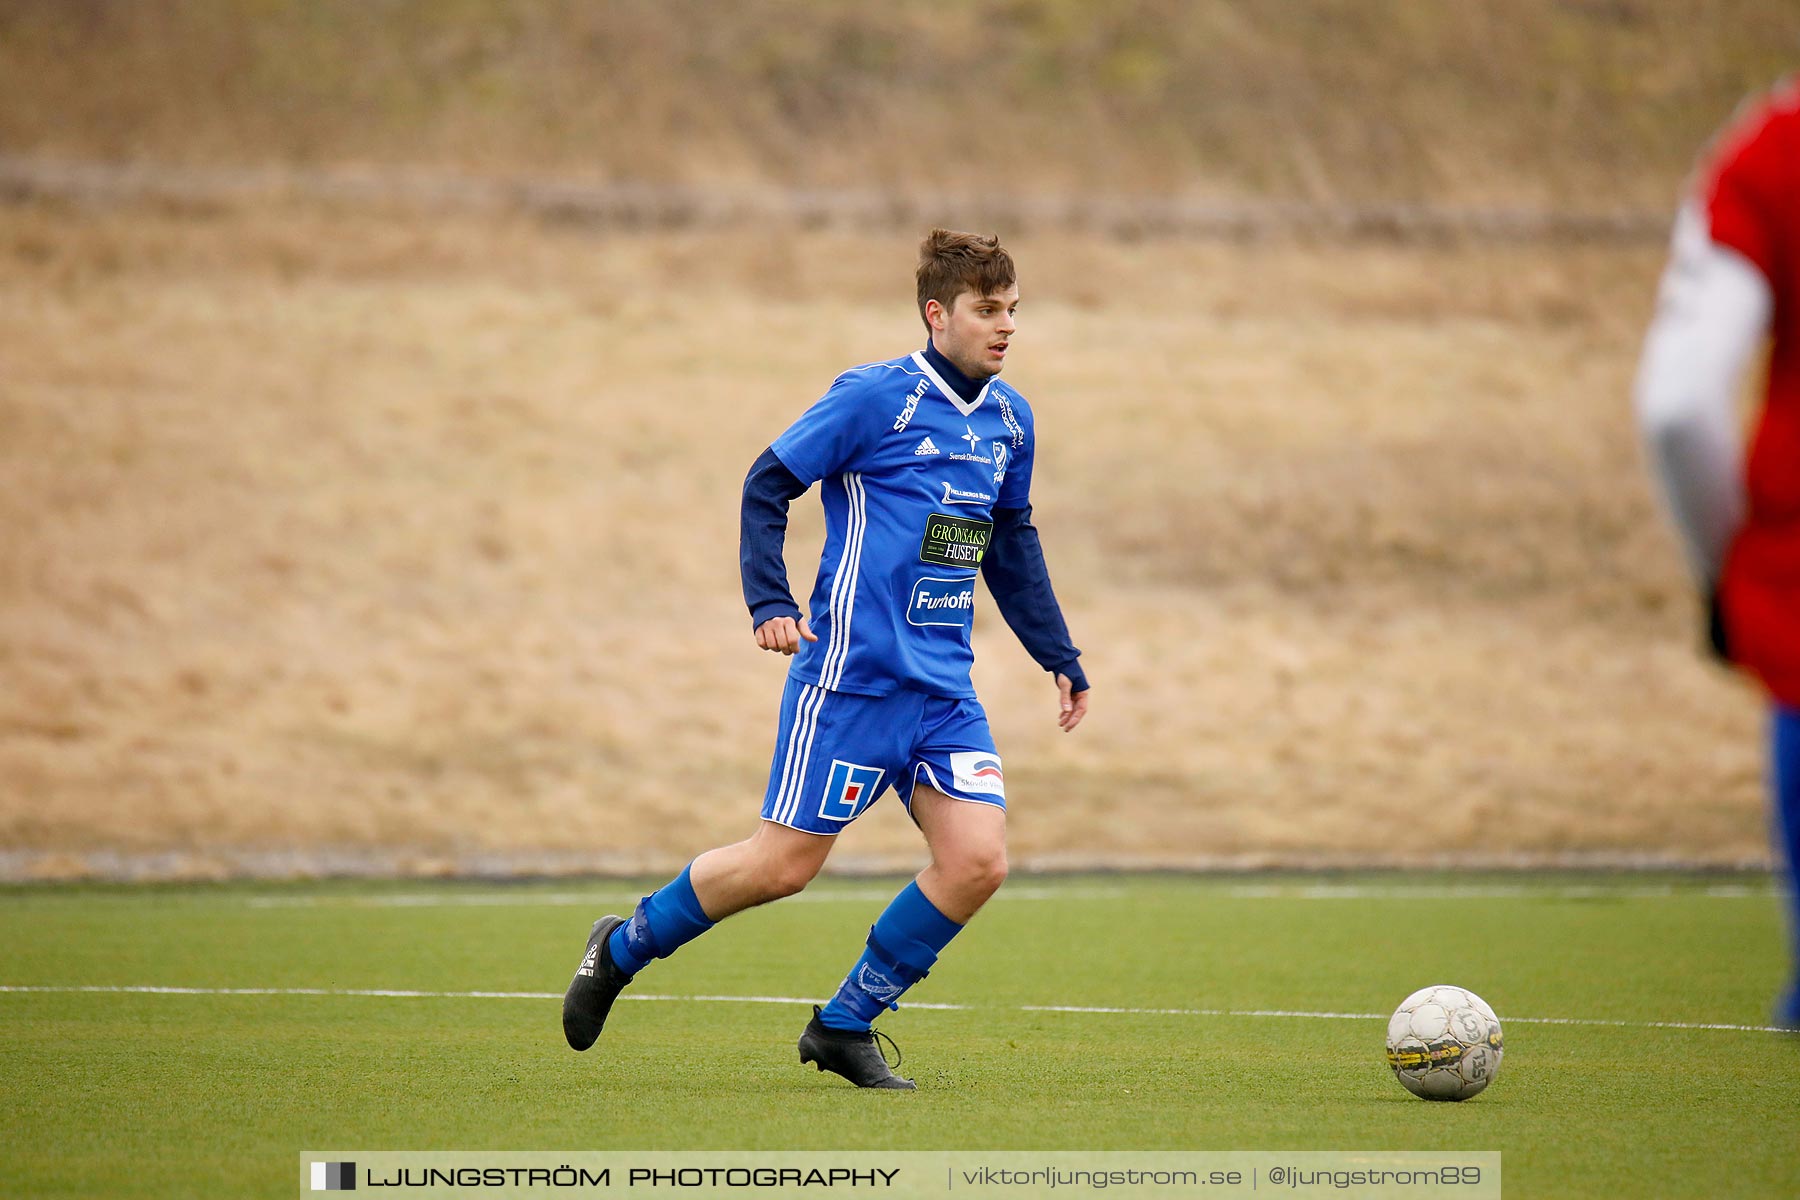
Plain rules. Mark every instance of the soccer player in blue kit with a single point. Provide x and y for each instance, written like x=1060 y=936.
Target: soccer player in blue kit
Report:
x=925 y=463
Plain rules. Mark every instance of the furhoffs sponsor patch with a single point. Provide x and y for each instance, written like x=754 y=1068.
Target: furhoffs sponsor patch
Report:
x=942 y=601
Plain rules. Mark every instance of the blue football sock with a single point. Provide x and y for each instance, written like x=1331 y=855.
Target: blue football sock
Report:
x=1784 y=778
x=904 y=943
x=666 y=920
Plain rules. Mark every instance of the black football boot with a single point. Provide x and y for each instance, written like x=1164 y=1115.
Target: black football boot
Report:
x=596 y=985
x=855 y=1056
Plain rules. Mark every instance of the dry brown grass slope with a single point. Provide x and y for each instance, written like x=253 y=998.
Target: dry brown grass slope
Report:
x=327 y=530
x=1586 y=103
x=334 y=529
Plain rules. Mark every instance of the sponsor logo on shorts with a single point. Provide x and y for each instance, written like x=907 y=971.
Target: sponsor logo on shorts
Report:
x=955 y=541
x=942 y=601
x=977 y=773
x=956 y=495
x=849 y=788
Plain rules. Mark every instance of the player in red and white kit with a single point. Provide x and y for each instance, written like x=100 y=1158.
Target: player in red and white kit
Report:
x=1732 y=287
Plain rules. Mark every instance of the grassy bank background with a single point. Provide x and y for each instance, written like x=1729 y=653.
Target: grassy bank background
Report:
x=326 y=526
x=346 y=531
x=1596 y=103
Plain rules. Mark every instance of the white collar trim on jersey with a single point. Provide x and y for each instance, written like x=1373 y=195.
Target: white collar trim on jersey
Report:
x=965 y=407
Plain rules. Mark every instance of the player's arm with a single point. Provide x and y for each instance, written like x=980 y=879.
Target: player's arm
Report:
x=829 y=436
x=1020 y=583
x=1713 y=311
x=762 y=531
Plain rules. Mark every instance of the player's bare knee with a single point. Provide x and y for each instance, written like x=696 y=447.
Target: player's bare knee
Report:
x=994 y=870
x=981 y=871
x=789 y=875
x=788 y=882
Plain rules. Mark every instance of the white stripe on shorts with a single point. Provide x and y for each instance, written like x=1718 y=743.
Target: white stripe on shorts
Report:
x=789 y=755
x=837 y=651
x=800 y=740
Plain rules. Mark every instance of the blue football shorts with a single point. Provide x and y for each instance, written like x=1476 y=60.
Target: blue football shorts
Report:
x=836 y=753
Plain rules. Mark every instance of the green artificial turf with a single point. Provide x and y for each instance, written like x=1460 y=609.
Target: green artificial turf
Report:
x=124 y=1094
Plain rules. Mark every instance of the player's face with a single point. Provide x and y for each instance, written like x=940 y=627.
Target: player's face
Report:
x=975 y=331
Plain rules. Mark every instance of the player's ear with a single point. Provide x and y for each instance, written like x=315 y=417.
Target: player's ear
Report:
x=934 y=314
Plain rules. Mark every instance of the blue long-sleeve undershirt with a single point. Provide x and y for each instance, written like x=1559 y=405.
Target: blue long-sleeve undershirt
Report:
x=1019 y=581
x=1013 y=566
x=762 y=531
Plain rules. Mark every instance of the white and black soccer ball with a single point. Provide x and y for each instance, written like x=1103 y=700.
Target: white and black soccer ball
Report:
x=1444 y=1043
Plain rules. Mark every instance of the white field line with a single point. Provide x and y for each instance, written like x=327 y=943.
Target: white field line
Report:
x=1080 y=894
x=1497 y=891
x=1100 y=1010
x=1347 y=1016
x=601 y=899
x=1273 y=891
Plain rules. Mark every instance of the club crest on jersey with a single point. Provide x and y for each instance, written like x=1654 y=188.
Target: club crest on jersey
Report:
x=977 y=773
x=849 y=789
x=999 y=461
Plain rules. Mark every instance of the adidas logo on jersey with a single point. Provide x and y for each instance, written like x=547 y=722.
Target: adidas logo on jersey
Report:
x=927 y=447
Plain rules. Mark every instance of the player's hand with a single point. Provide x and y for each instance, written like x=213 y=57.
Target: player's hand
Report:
x=1073 y=705
x=784 y=634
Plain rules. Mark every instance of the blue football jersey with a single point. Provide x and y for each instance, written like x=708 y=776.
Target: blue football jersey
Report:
x=911 y=475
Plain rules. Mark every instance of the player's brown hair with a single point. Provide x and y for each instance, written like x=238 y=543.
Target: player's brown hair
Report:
x=951 y=263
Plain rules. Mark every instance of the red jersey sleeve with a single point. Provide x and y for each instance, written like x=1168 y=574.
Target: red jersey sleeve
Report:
x=1752 y=179
x=1752 y=197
